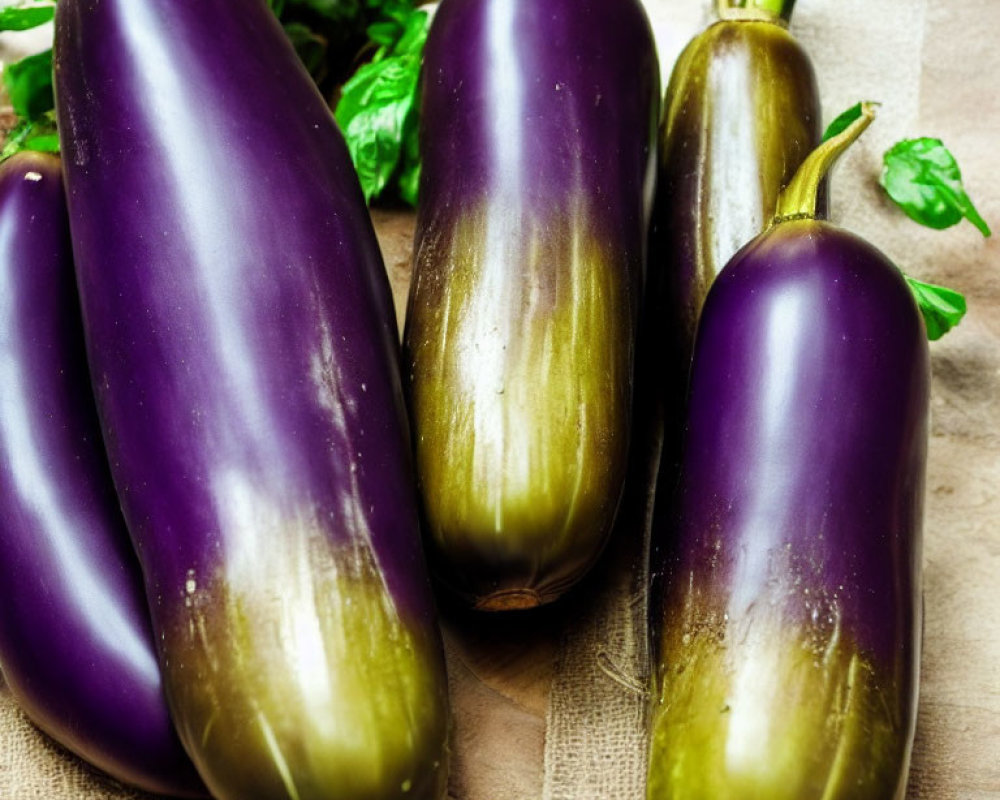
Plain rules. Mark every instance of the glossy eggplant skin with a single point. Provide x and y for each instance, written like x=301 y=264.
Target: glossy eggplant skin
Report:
x=741 y=113
x=245 y=356
x=537 y=139
x=76 y=647
x=789 y=631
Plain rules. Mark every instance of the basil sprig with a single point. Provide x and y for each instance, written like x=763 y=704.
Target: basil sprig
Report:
x=379 y=105
x=28 y=84
x=942 y=308
x=39 y=135
x=22 y=18
x=923 y=178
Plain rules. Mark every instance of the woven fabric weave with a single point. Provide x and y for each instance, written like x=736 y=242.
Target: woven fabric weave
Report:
x=33 y=767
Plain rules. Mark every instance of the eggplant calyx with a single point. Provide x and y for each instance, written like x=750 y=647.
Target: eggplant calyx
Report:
x=777 y=11
x=798 y=199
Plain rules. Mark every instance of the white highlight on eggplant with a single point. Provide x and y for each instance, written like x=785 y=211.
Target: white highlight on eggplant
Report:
x=756 y=622
x=504 y=122
x=576 y=334
x=329 y=379
x=280 y=762
x=32 y=479
x=293 y=577
x=190 y=582
x=785 y=337
x=320 y=660
x=756 y=682
x=732 y=172
x=286 y=576
x=491 y=328
x=503 y=348
x=486 y=332
x=194 y=146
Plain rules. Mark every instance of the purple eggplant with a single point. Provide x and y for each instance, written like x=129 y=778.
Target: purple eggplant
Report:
x=741 y=113
x=789 y=630
x=245 y=358
x=537 y=140
x=76 y=646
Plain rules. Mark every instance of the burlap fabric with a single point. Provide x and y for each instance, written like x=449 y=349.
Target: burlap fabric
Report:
x=932 y=64
x=33 y=767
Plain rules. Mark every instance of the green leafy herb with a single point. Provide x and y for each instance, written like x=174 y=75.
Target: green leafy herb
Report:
x=409 y=176
x=333 y=36
x=29 y=85
x=21 y=18
x=923 y=178
x=942 y=308
x=843 y=122
x=37 y=134
x=311 y=47
x=377 y=110
x=385 y=33
x=331 y=9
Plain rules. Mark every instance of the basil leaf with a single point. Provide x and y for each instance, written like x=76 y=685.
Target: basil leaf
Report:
x=397 y=10
x=29 y=85
x=310 y=46
x=377 y=111
x=39 y=134
x=941 y=307
x=924 y=180
x=409 y=176
x=385 y=32
x=413 y=33
x=843 y=122
x=372 y=113
x=330 y=9
x=24 y=17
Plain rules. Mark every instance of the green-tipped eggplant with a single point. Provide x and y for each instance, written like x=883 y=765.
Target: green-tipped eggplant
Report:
x=539 y=122
x=741 y=113
x=244 y=352
x=789 y=629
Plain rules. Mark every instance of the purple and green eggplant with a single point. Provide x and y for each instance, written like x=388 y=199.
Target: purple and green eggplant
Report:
x=76 y=647
x=537 y=140
x=788 y=636
x=244 y=353
x=741 y=113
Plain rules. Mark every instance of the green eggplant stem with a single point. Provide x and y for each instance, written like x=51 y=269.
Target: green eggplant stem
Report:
x=779 y=11
x=798 y=199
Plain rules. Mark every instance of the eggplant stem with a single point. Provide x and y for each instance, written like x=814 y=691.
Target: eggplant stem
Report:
x=777 y=11
x=798 y=199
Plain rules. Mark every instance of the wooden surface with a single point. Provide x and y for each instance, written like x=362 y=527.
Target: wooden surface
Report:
x=934 y=65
